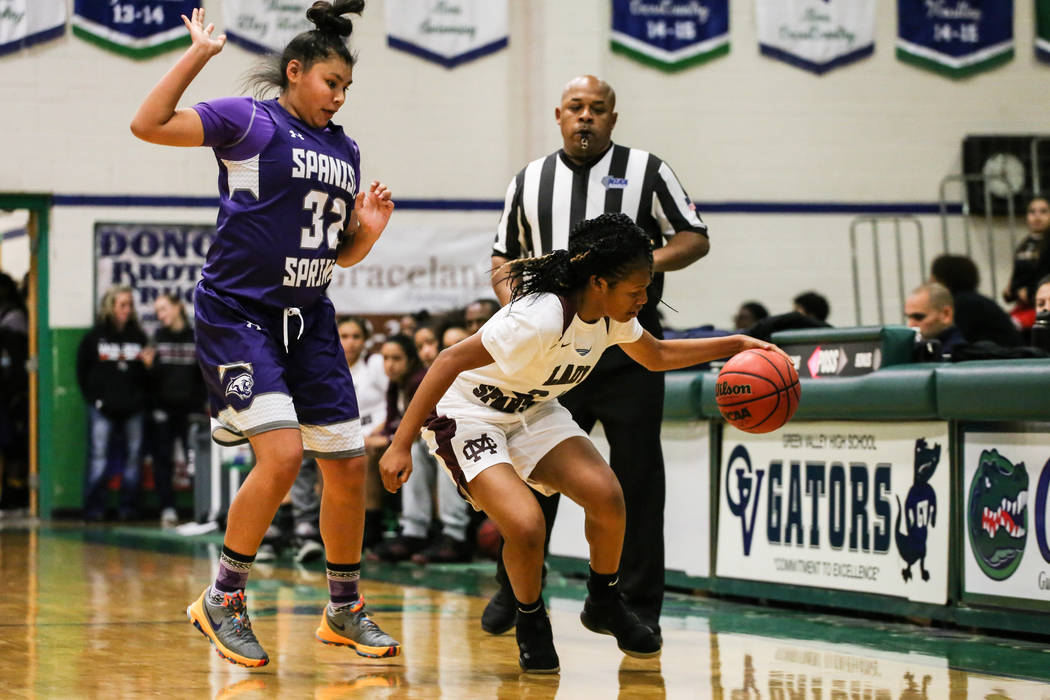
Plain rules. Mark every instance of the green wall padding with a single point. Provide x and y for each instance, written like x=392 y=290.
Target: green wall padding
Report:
x=994 y=390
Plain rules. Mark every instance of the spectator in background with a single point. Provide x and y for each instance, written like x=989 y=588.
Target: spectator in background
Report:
x=1041 y=327
x=113 y=380
x=429 y=486
x=405 y=372
x=452 y=334
x=811 y=311
x=370 y=385
x=177 y=390
x=749 y=313
x=813 y=305
x=1031 y=262
x=477 y=312
x=930 y=309
x=977 y=316
x=427 y=342
x=14 y=397
x=1042 y=296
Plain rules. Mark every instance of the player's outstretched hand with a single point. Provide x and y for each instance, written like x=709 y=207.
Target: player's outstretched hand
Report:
x=395 y=466
x=373 y=208
x=201 y=34
x=756 y=344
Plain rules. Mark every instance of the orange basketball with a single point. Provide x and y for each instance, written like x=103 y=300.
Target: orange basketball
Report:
x=757 y=391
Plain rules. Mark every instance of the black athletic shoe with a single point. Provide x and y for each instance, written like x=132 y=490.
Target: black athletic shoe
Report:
x=501 y=613
x=536 y=652
x=632 y=636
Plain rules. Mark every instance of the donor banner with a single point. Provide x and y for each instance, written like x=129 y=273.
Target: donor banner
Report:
x=152 y=259
x=448 y=32
x=816 y=35
x=1006 y=496
x=862 y=507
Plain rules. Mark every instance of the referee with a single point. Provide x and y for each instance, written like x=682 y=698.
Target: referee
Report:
x=589 y=176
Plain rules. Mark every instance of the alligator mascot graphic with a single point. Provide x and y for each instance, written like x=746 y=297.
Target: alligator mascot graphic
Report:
x=921 y=508
x=997 y=514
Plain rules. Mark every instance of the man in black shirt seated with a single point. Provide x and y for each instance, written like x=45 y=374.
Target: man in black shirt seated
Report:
x=929 y=309
x=977 y=316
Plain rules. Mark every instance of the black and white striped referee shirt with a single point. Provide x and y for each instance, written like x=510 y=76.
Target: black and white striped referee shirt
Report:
x=550 y=195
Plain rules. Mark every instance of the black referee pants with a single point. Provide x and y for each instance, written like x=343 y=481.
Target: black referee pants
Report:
x=628 y=401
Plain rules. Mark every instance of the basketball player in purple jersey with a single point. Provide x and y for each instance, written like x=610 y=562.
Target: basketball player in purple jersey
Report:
x=290 y=208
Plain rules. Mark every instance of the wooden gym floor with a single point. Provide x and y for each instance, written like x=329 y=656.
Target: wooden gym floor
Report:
x=100 y=613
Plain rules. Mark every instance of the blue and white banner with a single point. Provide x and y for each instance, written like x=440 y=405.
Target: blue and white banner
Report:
x=449 y=32
x=27 y=22
x=670 y=34
x=135 y=28
x=265 y=27
x=956 y=38
x=852 y=506
x=816 y=35
x=1042 y=30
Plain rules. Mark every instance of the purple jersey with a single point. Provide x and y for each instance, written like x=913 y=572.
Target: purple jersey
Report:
x=286 y=191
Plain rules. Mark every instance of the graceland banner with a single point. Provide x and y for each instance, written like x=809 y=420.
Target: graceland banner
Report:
x=956 y=38
x=670 y=34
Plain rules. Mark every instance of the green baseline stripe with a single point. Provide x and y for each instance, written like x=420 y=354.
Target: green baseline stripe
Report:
x=955 y=73
x=665 y=66
x=136 y=53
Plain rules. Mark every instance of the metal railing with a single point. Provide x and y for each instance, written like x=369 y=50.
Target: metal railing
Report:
x=875 y=220
x=989 y=218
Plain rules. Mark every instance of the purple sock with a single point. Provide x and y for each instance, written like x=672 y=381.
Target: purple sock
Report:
x=233 y=571
x=342 y=582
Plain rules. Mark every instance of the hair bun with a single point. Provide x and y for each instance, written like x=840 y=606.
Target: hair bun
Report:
x=328 y=17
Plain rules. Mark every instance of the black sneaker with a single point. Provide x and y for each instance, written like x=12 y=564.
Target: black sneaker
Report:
x=632 y=636
x=501 y=613
x=536 y=652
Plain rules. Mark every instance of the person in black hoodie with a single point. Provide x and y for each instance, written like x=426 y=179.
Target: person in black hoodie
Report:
x=177 y=390
x=978 y=317
x=112 y=378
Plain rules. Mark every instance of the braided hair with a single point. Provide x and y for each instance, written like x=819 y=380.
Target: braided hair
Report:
x=326 y=40
x=610 y=246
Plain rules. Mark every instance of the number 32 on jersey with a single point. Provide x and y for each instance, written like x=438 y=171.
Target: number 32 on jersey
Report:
x=312 y=271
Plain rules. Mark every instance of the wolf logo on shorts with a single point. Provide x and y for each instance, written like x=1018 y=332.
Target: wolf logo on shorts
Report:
x=240 y=386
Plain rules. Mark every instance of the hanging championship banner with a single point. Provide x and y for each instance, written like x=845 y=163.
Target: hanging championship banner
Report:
x=956 y=38
x=1042 y=30
x=24 y=23
x=449 y=32
x=135 y=28
x=265 y=27
x=816 y=35
x=670 y=34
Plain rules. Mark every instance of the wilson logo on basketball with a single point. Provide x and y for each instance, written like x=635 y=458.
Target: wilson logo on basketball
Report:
x=727 y=389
